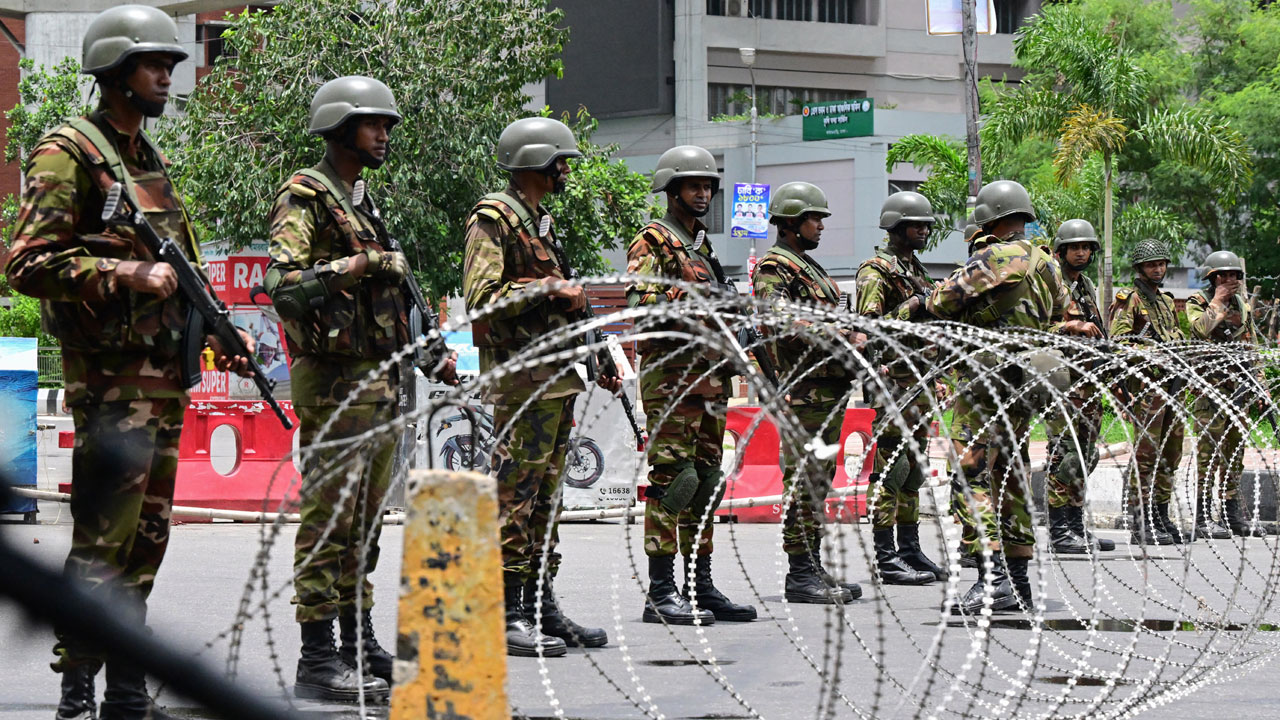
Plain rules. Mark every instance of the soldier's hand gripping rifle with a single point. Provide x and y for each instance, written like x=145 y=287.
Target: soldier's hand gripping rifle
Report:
x=601 y=361
x=1091 y=316
x=208 y=316
x=748 y=337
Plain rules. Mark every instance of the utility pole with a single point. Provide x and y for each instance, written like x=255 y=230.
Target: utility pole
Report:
x=969 y=41
x=748 y=56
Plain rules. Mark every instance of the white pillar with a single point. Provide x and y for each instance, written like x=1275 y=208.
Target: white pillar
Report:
x=691 y=69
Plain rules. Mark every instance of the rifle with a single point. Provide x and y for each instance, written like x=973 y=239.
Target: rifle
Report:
x=1092 y=316
x=207 y=315
x=748 y=336
x=602 y=360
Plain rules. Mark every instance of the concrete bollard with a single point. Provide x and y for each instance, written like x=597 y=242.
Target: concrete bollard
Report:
x=451 y=646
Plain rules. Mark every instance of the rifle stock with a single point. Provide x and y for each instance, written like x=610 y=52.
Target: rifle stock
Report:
x=207 y=314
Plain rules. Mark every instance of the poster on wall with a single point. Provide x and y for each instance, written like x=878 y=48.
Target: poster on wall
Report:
x=18 y=382
x=945 y=17
x=750 y=211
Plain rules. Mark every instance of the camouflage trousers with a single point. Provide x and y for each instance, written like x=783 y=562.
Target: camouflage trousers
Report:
x=897 y=501
x=1219 y=450
x=1067 y=468
x=530 y=464
x=123 y=468
x=690 y=435
x=993 y=486
x=819 y=406
x=1159 y=431
x=336 y=548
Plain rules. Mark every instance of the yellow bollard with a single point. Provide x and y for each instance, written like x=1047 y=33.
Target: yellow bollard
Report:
x=451 y=649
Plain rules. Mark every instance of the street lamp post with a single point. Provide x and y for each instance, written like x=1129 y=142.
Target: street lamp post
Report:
x=748 y=56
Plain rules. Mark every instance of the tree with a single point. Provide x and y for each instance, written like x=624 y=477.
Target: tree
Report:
x=1087 y=92
x=458 y=70
x=947 y=162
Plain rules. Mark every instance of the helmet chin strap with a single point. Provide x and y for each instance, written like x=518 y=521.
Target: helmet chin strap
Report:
x=688 y=208
x=552 y=171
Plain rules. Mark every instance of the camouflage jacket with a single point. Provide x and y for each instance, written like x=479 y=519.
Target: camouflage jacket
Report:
x=1214 y=321
x=1133 y=310
x=116 y=344
x=1005 y=283
x=664 y=249
x=885 y=283
x=504 y=255
x=1085 y=295
x=315 y=226
x=785 y=274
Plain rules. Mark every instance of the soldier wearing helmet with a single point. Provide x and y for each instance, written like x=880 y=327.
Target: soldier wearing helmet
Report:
x=894 y=284
x=338 y=286
x=685 y=484
x=1146 y=314
x=1007 y=282
x=120 y=325
x=1221 y=314
x=511 y=247
x=1075 y=245
x=788 y=273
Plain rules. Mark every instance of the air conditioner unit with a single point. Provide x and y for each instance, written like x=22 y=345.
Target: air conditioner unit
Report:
x=736 y=8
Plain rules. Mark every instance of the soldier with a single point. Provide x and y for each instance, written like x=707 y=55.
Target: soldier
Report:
x=685 y=450
x=115 y=313
x=1007 y=282
x=1146 y=312
x=511 y=247
x=1075 y=245
x=895 y=284
x=1221 y=314
x=339 y=290
x=787 y=272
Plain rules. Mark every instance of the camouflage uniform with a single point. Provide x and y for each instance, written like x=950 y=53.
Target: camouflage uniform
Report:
x=504 y=255
x=1066 y=469
x=1158 y=425
x=677 y=381
x=315 y=226
x=885 y=283
x=1032 y=293
x=818 y=400
x=1220 y=448
x=120 y=351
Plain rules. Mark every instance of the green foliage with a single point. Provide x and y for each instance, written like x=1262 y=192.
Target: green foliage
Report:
x=45 y=98
x=458 y=71
x=947 y=186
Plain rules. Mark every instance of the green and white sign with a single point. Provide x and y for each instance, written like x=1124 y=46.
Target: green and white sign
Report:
x=840 y=119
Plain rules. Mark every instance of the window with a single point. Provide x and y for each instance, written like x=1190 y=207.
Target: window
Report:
x=1011 y=15
x=851 y=12
x=210 y=35
x=731 y=99
x=714 y=219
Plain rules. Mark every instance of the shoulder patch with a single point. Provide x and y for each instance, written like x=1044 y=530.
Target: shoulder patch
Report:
x=1122 y=295
x=301 y=190
x=489 y=212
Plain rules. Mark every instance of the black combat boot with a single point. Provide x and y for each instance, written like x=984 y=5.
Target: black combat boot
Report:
x=893 y=571
x=554 y=622
x=1206 y=526
x=815 y=556
x=664 y=604
x=523 y=640
x=77 y=702
x=126 y=696
x=1062 y=535
x=1167 y=524
x=805 y=585
x=1239 y=526
x=321 y=673
x=1002 y=597
x=968 y=559
x=377 y=661
x=911 y=553
x=709 y=598
x=1020 y=578
x=1143 y=529
x=1077 y=524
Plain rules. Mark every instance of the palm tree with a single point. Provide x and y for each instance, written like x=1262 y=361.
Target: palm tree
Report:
x=1087 y=93
x=947 y=187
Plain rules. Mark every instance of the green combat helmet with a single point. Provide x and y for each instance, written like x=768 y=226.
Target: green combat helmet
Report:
x=346 y=97
x=1001 y=199
x=1222 y=261
x=1149 y=250
x=1075 y=231
x=905 y=206
x=794 y=199
x=684 y=161
x=534 y=143
x=127 y=30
